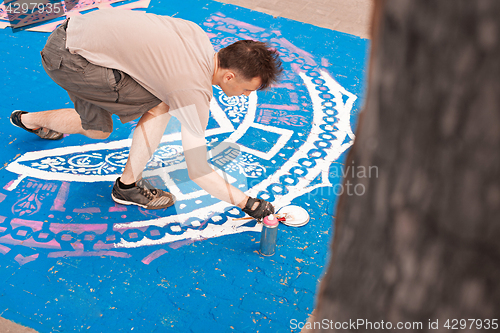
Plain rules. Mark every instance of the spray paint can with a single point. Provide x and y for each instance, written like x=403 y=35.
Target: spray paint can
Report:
x=268 y=235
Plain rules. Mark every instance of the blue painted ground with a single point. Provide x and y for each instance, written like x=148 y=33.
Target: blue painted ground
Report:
x=60 y=270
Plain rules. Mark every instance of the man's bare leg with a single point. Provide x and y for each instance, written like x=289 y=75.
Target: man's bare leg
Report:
x=61 y=120
x=147 y=137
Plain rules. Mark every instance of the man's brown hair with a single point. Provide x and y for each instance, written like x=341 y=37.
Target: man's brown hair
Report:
x=252 y=59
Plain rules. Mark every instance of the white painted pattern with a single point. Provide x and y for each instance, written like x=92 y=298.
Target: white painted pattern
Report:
x=225 y=126
x=340 y=143
x=302 y=187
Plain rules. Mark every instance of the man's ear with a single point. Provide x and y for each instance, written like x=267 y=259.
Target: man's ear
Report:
x=229 y=76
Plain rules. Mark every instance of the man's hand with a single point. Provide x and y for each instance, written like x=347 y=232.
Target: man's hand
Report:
x=258 y=208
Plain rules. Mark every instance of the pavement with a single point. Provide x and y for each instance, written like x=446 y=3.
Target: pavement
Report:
x=223 y=280
x=352 y=17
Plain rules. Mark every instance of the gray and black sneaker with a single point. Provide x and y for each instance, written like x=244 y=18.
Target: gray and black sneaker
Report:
x=44 y=133
x=142 y=194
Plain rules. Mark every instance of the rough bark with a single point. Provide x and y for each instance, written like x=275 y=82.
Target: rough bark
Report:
x=423 y=242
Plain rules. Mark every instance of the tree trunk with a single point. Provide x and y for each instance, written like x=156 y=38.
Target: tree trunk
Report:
x=423 y=242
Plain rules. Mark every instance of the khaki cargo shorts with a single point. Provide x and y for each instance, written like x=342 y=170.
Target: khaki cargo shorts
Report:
x=97 y=92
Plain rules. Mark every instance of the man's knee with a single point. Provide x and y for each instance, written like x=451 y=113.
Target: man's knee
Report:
x=97 y=134
x=160 y=109
x=104 y=135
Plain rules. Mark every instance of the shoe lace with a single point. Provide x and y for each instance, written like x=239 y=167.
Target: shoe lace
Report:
x=148 y=193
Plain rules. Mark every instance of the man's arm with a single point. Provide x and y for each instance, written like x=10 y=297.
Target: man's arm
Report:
x=195 y=152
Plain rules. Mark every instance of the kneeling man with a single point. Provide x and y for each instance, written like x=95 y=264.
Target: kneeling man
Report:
x=136 y=64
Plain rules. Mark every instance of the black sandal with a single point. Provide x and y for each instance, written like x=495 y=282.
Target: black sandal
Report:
x=264 y=208
x=44 y=133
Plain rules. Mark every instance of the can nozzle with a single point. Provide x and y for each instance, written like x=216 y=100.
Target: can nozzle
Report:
x=270 y=221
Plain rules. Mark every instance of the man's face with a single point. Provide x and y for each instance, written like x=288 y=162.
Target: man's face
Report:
x=235 y=85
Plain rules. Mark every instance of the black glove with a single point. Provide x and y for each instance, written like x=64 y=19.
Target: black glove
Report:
x=263 y=209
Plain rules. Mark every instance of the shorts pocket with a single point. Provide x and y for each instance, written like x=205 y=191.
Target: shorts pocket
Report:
x=114 y=77
x=75 y=62
x=51 y=62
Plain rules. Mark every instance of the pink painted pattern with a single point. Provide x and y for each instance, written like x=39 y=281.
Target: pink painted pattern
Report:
x=178 y=244
x=6 y=187
x=35 y=225
x=87 y=210
x=7 y=239
x=244 y=25
x=117 y=208
x=306 y=55
x=61 y=198
x=24 y=260
x=147 y=260
x=81 y=253
x=4 y=249
x=280 y=107
x=78 y=228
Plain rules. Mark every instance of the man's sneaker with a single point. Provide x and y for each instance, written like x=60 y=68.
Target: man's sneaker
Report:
x=142 y=194
x=44 y=133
